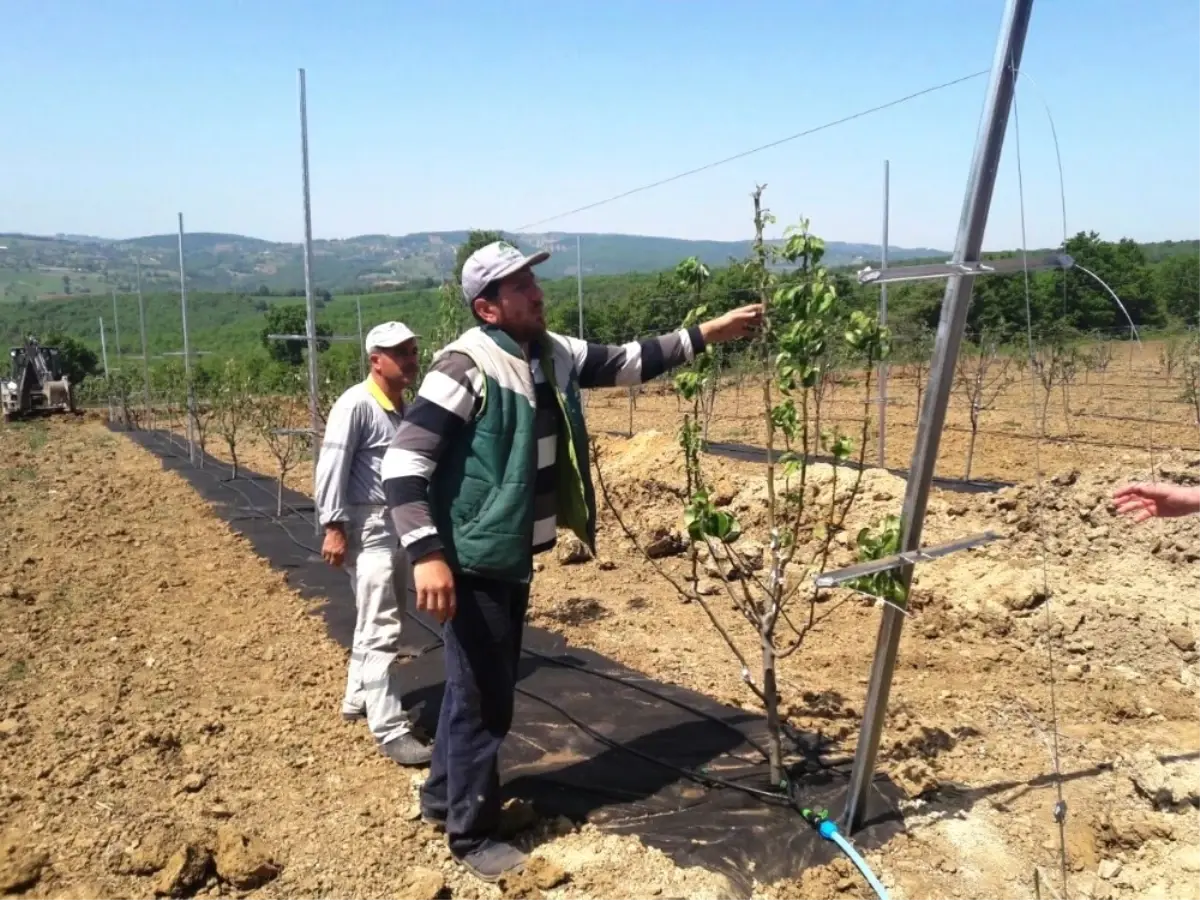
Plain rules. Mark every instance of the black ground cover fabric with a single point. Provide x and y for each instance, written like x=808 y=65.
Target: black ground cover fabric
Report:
x=592 y=739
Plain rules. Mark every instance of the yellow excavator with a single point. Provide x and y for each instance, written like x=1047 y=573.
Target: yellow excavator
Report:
x=36 y=384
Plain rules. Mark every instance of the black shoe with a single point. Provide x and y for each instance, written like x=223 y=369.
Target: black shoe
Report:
x=493 y=861
x=406 y=750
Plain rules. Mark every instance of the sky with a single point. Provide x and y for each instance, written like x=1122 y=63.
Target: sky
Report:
x=427 y=115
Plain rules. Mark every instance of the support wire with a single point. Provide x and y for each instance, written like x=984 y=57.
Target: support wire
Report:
x=1060 y=806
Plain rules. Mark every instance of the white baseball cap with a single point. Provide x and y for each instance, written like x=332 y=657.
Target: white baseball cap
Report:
x=389 y=334
x=493 y=262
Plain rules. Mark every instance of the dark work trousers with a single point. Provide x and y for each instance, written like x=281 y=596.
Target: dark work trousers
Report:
x=482 y=647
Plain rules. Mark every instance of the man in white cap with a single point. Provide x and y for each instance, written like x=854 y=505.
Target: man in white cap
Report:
x=359 y=535
x=491 y=459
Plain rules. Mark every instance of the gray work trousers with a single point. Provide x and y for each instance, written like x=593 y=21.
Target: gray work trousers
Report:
x=379 y=573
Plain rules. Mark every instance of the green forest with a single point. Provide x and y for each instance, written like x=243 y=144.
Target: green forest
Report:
x=1159 y=284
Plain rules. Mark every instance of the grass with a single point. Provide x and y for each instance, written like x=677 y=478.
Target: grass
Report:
x=17 y=671
x=38 y=436
x=18 y=285
x=20 y=473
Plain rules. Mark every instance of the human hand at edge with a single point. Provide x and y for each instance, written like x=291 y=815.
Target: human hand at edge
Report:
x=434 y=583
x=736 y=323
x=333 y=548
x=1165 y=501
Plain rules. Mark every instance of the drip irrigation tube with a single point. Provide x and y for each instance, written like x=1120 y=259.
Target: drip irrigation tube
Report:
x=827 y=828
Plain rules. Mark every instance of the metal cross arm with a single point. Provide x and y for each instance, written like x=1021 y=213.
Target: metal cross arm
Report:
x=1007 y=266
x=923 y=554
x=344 y=338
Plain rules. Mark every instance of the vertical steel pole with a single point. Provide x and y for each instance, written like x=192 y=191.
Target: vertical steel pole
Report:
x=980 y=184
x=104 y=356
x=579 y=280
x=362 y=350
x=116 y=326
x=142 y=327
x=883 y=366
x=308 y=297
x=187 y=349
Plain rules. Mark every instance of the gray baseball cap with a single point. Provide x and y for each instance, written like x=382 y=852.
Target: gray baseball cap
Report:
x=387 y=335
x=493 y=262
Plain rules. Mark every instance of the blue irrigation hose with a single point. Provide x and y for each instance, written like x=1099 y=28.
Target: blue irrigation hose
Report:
x=827 y=829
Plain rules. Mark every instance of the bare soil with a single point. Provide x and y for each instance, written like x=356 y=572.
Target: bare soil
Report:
x=161 y=683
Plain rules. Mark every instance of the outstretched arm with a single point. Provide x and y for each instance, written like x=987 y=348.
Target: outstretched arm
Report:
x=603 y=365
x=1146 y=501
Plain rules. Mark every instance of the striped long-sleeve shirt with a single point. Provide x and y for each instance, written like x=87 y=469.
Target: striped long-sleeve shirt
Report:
x=449 y=398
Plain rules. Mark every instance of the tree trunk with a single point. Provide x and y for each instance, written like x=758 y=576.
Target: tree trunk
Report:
x=712 y=404
x=774 y=745
x=279 y=496
x=971 y=447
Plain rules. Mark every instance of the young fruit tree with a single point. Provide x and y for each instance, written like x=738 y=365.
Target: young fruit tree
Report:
x=1170 y=355
x=233 y=406
x=692 y=275
x=279 y=419
x=764 y=580
x=203 y=409
x=1055 y=363
x=921 y=352
x=982 y=377
x=1189 y=376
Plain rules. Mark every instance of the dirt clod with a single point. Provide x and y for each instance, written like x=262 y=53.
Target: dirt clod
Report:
x=244 y=860
x=662 y=543
x=149 y=856
x=1182 y=638
x=20 y=864
x=420 y=883
x=186 y=870
x=545 y=874
x=572 y=551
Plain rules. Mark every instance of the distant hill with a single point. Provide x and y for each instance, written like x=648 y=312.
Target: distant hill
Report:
x=34 y=267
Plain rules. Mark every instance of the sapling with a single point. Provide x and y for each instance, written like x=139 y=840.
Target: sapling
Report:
x=1189 y=376
x=1054 y=364
x=797 y=328
x=692 y=275
x=202 y=408
x=1102 y=358
x=275 y=418
x=921 y=351
x=1170 y=355
x=232 y=405
x=982 y=377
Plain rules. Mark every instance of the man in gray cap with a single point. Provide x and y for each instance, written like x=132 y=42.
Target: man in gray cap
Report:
x=489 y=462
x=359 y=535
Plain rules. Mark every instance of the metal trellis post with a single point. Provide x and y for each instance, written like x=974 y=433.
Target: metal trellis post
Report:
x=883 y=311
x=116 y=326
x=362 y=350
x=579 y=280
x=107 y=382
x=187 y=351
x=311 y=325
x=980 y=185
x=142 y=327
